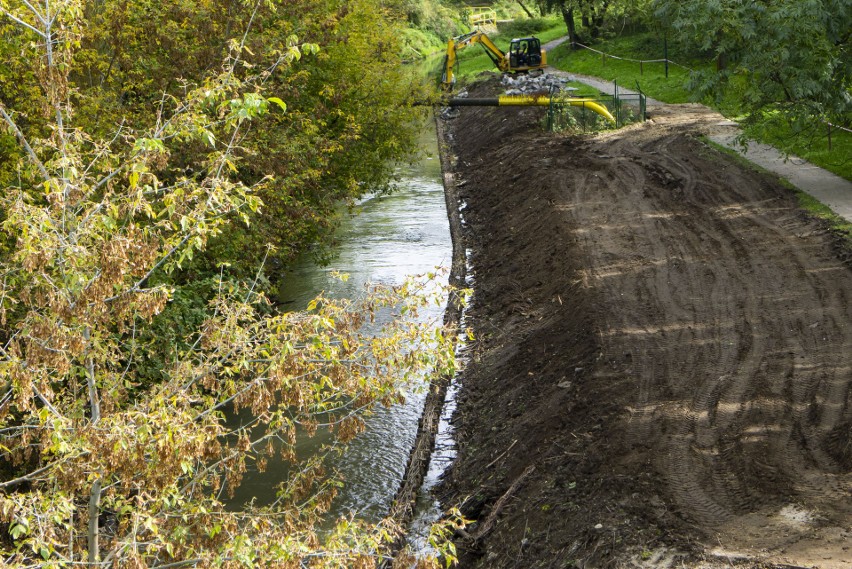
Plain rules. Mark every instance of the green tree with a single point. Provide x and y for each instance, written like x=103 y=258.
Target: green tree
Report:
x=350 y=111
x=596 y=15
x=349 y=116
x=592 y=14
x=107 y=468
x=787 y=55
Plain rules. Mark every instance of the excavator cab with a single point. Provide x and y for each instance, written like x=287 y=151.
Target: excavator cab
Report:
x=525 y=53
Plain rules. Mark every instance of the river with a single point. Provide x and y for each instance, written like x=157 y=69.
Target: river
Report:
x=389 y=237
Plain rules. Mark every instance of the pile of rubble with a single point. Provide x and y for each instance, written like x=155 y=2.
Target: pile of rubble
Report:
x=526 y=84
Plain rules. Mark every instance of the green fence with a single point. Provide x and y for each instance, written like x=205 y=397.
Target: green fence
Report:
x=625 y=107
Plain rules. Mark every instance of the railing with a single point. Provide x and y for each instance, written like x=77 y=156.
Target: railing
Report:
x=838 y=127
x=625 y=107
x=482 y=15
x=641 y=62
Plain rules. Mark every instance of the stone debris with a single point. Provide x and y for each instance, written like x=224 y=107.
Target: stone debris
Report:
x=527 y=84
x=449 y=113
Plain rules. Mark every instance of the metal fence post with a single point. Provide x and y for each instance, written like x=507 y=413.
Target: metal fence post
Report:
x=616 y=101
x=550 y=112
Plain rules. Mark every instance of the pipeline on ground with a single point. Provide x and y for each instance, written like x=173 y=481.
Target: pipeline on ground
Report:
x=529 y=101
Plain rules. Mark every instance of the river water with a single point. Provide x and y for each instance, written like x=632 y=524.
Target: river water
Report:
x=390 y=237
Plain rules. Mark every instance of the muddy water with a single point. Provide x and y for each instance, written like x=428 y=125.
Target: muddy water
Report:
x=388 y=238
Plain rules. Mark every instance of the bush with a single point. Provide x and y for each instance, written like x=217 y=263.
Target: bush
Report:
x=523 y=28
x=430 y=25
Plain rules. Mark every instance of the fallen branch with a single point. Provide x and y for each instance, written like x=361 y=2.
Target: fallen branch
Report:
x=488 y=524
x=502 y=454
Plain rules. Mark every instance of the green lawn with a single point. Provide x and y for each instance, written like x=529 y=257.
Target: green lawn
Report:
x=584 y=90
x=650 y=76
x=810 y=143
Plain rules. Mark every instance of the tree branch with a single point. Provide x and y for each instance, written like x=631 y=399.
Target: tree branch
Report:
x=36 y=12
x=11 y=16
x=26 y=477
x=95 y=497
x=23 y=140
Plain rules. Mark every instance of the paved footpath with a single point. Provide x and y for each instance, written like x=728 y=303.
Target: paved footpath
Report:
x=828 y=188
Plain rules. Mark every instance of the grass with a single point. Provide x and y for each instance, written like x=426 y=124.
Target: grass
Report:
x=584 y=90
x=651 y=77
x=810 y=143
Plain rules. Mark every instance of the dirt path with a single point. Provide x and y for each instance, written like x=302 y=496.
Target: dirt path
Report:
x=664 y=337
x=830 y=189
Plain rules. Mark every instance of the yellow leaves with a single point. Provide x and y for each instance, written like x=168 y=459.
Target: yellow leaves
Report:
x=327 y=91
x=93 y=244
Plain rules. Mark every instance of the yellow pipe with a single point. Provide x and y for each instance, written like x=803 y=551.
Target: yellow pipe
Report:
x=523 y=100
x=544 y=101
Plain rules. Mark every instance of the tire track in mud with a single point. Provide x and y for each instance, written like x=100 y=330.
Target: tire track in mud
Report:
x=740 y=328
x=695 y=387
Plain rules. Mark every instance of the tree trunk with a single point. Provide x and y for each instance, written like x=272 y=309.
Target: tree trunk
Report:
x=568 y=16
x=95 y=497
x=525 y=9
x=94 y=529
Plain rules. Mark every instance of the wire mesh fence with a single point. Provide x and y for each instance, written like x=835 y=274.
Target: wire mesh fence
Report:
x=573 y=114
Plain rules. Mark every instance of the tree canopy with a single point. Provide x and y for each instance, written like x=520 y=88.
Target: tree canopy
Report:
x=791 y=55
x=137 y=135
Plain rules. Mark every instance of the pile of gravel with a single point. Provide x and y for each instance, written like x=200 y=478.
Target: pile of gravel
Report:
x=528 y=83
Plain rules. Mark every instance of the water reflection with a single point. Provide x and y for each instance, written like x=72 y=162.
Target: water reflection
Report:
x=391 y=237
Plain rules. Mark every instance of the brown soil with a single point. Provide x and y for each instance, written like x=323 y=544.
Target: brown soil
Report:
x=662 y=370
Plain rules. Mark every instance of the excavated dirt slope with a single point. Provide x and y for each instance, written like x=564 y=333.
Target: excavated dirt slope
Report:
x=662 y=369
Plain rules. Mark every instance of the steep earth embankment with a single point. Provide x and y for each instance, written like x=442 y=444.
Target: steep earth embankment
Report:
x=662 y=369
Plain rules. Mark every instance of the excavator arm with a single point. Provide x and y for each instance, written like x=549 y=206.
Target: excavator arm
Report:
x=454 y=44
x=525 y=54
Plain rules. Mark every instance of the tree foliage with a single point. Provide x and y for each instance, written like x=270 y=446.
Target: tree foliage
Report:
x=792 y=55
x=119 y=176
x=594 y=15
x=349 y=114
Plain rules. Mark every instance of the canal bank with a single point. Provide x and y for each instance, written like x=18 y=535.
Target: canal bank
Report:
x=660 y=346
x=413 y=501
x=387 y=238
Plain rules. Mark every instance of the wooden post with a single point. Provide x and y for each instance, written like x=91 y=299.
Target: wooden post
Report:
x=640 y=68
x=829 y=136
x=666 y=53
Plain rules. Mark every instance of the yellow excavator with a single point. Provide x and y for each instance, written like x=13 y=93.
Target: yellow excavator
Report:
x=524 y=54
